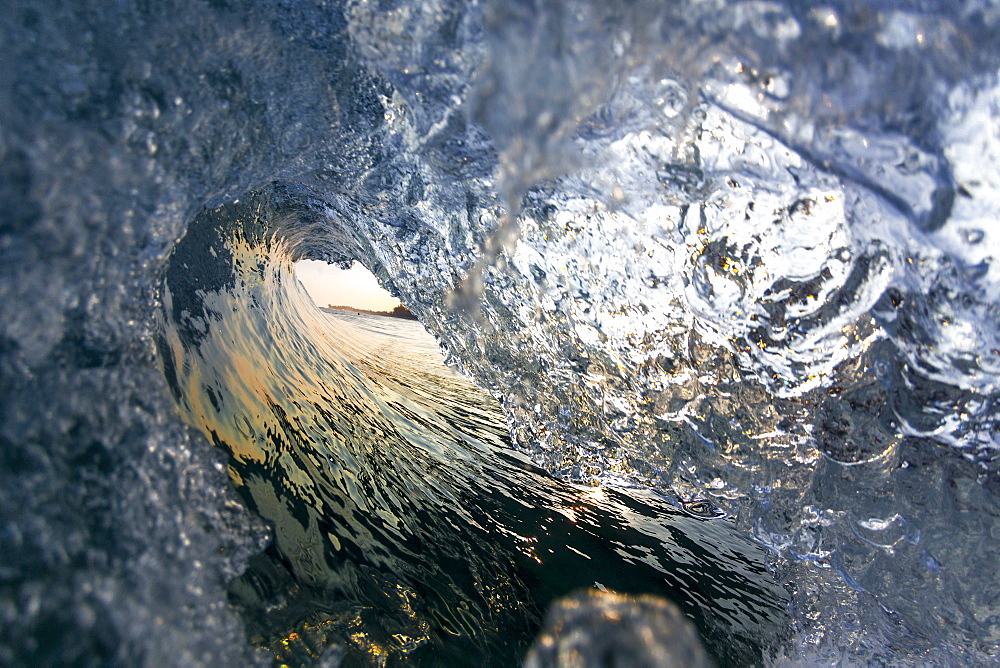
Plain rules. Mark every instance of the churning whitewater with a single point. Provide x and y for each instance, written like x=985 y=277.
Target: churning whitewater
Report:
x=714 y=283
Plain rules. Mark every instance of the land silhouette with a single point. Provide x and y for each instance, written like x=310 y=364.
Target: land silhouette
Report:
x=398 y=312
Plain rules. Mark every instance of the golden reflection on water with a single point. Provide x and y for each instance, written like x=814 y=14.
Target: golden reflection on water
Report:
x=401 y=518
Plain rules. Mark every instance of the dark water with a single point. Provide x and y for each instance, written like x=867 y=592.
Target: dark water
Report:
x=710 y=257
x=405 y=525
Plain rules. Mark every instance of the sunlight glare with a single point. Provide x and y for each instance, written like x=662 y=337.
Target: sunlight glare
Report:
x=356 y=287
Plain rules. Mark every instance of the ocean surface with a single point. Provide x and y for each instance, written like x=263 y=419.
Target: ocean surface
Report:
x=708 y=319
x=405 y=525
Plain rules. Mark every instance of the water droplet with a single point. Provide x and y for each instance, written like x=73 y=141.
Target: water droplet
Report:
x=973 y=236
x=776 y=84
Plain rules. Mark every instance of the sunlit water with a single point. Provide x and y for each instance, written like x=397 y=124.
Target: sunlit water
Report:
x=729 y=258
x=404 y=523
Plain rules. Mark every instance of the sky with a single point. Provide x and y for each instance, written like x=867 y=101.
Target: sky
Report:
x=357 y=287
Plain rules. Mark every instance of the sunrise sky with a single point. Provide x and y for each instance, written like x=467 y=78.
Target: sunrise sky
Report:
x=356 y=286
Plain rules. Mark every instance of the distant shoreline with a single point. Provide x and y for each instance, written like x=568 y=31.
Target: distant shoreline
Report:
x=398 y=312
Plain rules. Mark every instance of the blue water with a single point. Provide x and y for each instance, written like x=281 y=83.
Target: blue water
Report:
x=714 y=283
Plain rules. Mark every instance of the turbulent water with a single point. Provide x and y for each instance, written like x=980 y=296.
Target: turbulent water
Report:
x=404 y=524
x=726 y=268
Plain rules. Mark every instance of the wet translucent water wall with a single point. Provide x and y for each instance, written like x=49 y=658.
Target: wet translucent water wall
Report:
x=737 y=254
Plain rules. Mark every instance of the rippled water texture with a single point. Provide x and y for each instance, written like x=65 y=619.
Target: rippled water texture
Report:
x=391 y=486
x=728 y=258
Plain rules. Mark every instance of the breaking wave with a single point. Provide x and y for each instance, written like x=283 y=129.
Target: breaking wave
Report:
x=733 y=259
x=404 y=525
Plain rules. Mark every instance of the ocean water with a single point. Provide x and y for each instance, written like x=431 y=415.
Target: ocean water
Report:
x=405 y=525
x=713 y=283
